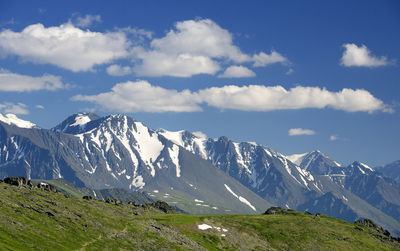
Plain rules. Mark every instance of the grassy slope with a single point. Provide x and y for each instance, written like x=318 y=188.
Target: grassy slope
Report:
x=36 y=219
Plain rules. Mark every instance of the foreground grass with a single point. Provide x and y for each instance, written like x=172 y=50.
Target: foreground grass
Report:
x=32 y=219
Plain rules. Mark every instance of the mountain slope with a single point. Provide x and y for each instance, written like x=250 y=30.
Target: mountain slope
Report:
x=297 y=181
x=391 y=170
x=197 y=174
x=359 y=179
x=118 y=152
x=33 y=219
x=264 y=171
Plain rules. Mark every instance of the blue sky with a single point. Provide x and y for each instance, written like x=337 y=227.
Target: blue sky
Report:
x=293 y=75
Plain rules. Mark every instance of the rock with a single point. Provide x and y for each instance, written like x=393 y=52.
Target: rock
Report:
x=369 y=223
x=87 y=197
x=46 y=187
x=50 y=214
x=163 y=206
x=11 y=181
x=133 y=203
x=114 y=201
x=20 y=181
x=275 y=210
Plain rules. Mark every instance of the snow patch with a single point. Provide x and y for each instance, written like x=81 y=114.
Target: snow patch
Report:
x=81 y=120
x=239 y=158
x=12 y=119
x=174 y=154
x=175 y=137
x=366 y=167
x=241 y=199
x=148 y=145
x=204 y=226
x=137 y=182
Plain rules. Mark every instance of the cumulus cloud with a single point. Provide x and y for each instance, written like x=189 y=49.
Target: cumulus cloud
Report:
x=142 y=96
x=200 y=37
x=267 y=98
x=13 y=82
x=39 y=107
x=237 y=72
x=15 y=108
x=263 y=59
x=86 y=20
x=191 y=47
x=117 y=70
x=361 y=56
x=300 y=131
x=155 y=64
x=65 y=46
x=194 y=47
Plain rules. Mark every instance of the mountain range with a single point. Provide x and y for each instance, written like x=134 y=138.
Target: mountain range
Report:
x=195 y=173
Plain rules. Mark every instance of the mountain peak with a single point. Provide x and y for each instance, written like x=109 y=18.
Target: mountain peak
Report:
x=75 y=123
x=12 y=119
x=361 y=167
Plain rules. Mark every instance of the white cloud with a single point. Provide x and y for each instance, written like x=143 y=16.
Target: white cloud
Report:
x=85 y=21
x=290 y=71
x=194 y=47
x=237 y=72
x=200 y=37
x=333 y=137
x=300 y=131
x=13 y=82
x=263 y=59
x=65 y=46
x=267 y=98
x=199 y=134
x=39 y=106
x=136 y=32
x=191 y=47
x=155 y=64
x=117 y=70
x=15 y=108
x=361 y=56
x=142 y=96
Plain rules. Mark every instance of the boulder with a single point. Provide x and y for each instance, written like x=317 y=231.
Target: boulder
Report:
x=275 y=210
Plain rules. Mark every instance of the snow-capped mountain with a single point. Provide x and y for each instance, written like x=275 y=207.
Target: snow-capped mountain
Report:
x=310 y=181
x=316 y=162
x=391 y=170
x=265 y=171
x=195 y=173
x=75 y=123
x=359 y=179
x=117 y=151
x=12 y=119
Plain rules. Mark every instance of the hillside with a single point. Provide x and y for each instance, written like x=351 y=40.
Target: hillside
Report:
x=34 y=218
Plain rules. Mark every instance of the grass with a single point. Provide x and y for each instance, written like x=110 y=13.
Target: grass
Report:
x=32 y=219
